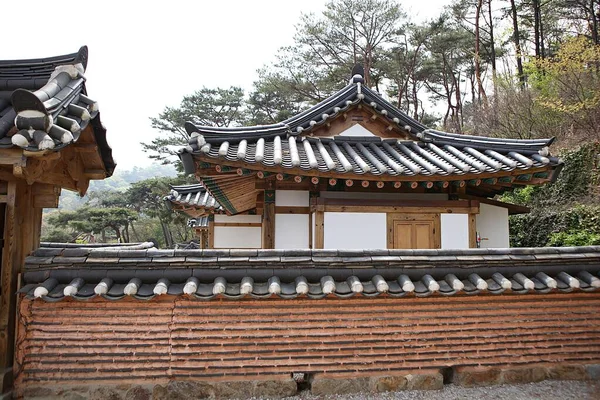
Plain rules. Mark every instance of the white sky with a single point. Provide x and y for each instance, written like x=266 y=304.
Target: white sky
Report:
x=146 y=55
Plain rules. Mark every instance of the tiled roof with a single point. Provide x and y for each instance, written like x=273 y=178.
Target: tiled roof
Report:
x=354 y=93
x=429 y=152
x=373 y=157
x=54 y=273
x=195 y=196
x=44 y=104
x=200 y=222
x=104 y=246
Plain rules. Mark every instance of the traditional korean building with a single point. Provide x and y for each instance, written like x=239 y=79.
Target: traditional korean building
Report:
x=356 y=172
x=392 y=295
x=51 y=138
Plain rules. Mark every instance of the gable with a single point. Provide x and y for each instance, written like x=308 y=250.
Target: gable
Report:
x=359 y=120
x=356 y=131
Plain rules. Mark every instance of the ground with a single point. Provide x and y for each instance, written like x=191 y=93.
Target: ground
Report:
x=546 y=390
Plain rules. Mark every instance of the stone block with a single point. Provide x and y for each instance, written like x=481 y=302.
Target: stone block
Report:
x=274 y=389
x=470 y=377
x=330 y=386
x=32 y=392
x=232 y=390
x=138 y=393
x=426 y=381
x=183 y=390
x=387 y=383
x=159 y=393
x=523 y=375
x=593 y=371
x=567 y=372
x=105 y=393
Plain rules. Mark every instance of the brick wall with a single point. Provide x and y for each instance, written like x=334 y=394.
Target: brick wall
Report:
x=100 y=342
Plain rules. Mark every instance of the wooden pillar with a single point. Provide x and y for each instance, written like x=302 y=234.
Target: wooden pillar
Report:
x=8 y=284
x=472 y=231
x=268 y=220
x=310 y=230
x=211 y=231
x=320 y=227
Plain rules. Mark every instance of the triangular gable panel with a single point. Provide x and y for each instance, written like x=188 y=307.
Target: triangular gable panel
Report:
x=357 y=130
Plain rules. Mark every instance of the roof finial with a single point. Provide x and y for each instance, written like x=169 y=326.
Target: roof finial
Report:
x=358 y=73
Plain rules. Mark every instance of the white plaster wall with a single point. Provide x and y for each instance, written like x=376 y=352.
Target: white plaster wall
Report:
x=492 y=223
x=356 y=130
x=238 y=237
x=355 y=230
x=455 y=231
x=292 y=198
x=239 y=218
x=291 y=231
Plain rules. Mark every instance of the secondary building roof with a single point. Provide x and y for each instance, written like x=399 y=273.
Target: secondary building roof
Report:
x=44 y=106
x=194 y=200
x=54 y=274
x=400 y=151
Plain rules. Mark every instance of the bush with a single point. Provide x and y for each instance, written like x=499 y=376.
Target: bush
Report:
x=574 y=238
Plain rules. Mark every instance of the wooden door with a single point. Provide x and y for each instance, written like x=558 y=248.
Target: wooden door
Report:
x=413 y=231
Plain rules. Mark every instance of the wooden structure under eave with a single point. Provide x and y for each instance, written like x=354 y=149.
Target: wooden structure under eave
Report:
x=355 y=172
x=51 y=138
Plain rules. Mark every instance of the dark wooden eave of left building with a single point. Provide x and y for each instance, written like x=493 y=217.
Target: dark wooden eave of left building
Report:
x=50 y=130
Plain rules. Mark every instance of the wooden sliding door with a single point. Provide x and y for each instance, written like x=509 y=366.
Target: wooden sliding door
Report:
x=413 y=231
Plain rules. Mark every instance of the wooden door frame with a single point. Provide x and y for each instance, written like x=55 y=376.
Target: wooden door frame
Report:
x=425 y=216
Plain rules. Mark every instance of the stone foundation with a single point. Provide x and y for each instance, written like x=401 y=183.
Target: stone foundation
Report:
x=175 y=390
x=481 y=376
x=319 y=385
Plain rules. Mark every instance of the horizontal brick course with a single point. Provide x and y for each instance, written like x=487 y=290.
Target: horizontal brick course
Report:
x=178 y=338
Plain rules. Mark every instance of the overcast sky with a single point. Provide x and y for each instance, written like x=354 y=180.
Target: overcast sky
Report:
x=144 y=56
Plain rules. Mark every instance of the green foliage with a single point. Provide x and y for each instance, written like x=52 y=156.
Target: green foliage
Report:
x=577 y=183
x=89 y=219
x=138 y=213
x=574 y=238
x=580 y=224
x=568 y=84
x=207 y=106
x=565 y=213
x=118 y=183
x=58 y=235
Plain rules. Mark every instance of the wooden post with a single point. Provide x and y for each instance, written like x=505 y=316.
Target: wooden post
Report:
x=211 y=231
x=268 y=220
x=8 y=283
x=472 y=231
x=310 y=230
x=320 y=227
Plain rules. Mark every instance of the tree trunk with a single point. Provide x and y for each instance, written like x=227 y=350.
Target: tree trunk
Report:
x=118 y=233
x=542 y=38
x=517 y=41
x=594 y=22
x=480 y=88
x=458 y=109
x=127 y=233
x=537 y=22
x=492 y=44
x=135 y=234
x=166 y=234
x=415 y=98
